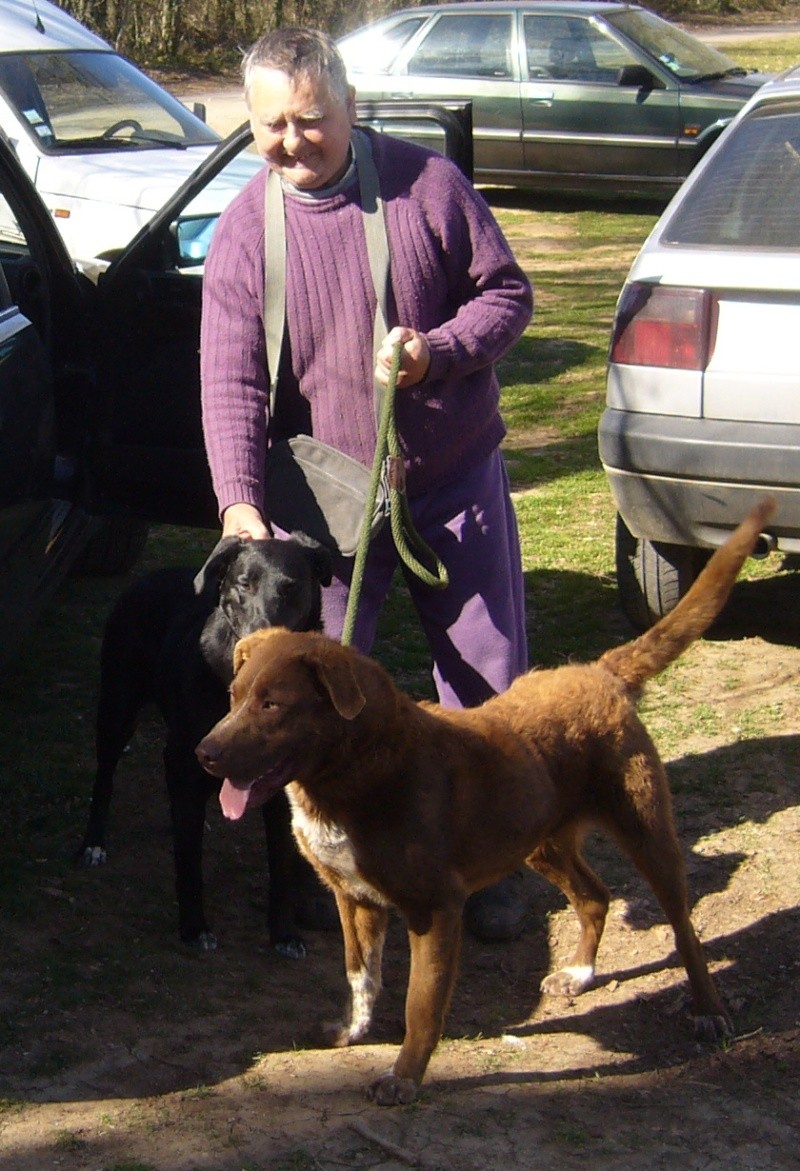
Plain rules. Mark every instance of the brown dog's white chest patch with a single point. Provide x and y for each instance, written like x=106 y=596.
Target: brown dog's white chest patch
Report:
x=333 y=849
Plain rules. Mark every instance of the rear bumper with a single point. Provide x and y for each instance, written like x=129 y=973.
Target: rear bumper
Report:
x=690 y=481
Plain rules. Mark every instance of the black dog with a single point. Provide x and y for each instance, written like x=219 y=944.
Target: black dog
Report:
x=170 y=639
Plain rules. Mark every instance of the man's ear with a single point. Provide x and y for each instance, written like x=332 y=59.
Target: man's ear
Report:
x=351 y=104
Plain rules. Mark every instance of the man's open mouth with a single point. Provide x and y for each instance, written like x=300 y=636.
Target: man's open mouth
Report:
x=236 y=797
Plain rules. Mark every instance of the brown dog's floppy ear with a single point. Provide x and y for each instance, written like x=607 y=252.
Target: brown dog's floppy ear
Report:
x=245 y=647
x=335 y=672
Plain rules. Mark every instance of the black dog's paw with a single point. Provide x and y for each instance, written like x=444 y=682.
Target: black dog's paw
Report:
x=91 y=856
x=205 y=941
x=292 y=947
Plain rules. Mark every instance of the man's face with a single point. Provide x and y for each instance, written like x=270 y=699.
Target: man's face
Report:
x=301 y=127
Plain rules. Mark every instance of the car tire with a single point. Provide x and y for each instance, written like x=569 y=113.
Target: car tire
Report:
x=653 y=576
x=114 y=549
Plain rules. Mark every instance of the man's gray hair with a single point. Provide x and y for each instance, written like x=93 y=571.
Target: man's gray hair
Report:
x=299 y=53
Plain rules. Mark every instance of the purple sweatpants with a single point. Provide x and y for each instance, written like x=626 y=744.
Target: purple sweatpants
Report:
x=476 y=626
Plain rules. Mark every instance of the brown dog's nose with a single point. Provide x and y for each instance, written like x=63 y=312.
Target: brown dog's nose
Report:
x=207 y=752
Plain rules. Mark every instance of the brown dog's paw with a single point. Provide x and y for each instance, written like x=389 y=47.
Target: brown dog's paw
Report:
x=718 y=1027
x=390 y=1090
x=568 y=981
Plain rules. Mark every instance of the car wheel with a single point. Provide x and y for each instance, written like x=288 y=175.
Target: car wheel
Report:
x=653 y=576
x=114 y=549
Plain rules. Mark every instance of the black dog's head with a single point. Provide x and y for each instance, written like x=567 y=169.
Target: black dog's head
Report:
x=257 y=584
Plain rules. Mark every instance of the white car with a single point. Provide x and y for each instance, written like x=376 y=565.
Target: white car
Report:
x=703 y=392
x=104 y=145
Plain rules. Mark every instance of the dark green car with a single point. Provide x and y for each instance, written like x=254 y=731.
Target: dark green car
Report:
x=580 y=97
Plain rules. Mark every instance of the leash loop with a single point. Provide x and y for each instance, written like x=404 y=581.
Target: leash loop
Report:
x=414 y=552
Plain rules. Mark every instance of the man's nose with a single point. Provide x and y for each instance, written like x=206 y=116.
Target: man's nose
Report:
x=292 y=137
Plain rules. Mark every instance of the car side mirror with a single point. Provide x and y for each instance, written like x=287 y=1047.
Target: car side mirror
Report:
x=192 y=236
x=638 y=77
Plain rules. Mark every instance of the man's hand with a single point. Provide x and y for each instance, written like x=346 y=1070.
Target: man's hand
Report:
x=414 y=361
x=245 y=521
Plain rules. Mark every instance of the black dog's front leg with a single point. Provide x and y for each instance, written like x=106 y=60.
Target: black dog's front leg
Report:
x=125 y=687
x=189 y=789
x=283 y=868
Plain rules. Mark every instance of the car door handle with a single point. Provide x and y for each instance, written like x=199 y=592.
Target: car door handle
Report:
x=542 y=98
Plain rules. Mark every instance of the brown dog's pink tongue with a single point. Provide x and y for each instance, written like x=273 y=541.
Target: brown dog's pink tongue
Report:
x=233 y=800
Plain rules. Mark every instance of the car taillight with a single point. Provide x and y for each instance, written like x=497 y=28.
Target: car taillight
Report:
x=657 y=325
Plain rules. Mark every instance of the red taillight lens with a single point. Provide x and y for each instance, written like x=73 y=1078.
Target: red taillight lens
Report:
x=660 y=326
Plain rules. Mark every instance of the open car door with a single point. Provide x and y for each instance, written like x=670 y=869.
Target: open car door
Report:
x=44 y=366
x=146 y=444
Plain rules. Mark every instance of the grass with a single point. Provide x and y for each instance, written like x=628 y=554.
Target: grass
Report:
x=766 y=56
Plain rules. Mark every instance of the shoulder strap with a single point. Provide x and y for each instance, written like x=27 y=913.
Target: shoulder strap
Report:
x=274 y=280
x=275 y=262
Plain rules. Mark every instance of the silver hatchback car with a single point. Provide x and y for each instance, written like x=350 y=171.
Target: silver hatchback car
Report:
x=703 y=394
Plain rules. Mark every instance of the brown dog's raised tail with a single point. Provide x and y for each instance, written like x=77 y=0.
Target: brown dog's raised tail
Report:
x=640 y=660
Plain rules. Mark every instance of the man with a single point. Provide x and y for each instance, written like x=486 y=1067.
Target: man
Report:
x=458 y=302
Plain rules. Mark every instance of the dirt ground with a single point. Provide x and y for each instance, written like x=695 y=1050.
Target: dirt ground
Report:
x=126 y=1053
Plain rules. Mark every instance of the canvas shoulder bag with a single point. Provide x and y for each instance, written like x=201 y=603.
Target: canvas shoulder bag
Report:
x=310 y=486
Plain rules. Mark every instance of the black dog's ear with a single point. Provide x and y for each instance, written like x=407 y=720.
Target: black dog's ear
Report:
x=319 y=557
x=216 y=563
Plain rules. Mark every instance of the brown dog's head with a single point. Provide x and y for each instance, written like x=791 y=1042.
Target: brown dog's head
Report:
x=269 y=652
x=292 y=697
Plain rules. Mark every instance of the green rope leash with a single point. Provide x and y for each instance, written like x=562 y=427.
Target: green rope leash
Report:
x=424 y=562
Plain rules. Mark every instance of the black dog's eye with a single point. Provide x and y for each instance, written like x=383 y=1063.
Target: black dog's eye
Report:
x=268 y=704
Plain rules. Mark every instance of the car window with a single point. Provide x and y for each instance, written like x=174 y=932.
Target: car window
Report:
x=572 y=49
x=198 y=219
x=5 y=293
x=94 y=100
x=748 y=194
x=10 y=232
x=22 y=286
x=465 y=45
x=375 y=50
x=683 y=55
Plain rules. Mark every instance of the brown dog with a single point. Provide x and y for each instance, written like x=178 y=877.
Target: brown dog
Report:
x=413 y=806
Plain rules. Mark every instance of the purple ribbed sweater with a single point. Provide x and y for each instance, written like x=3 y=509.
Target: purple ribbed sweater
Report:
x=453 y=278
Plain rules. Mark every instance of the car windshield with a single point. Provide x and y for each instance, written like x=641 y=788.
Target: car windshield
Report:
x=94 y=100
x=682 y=54
x=748 y=194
